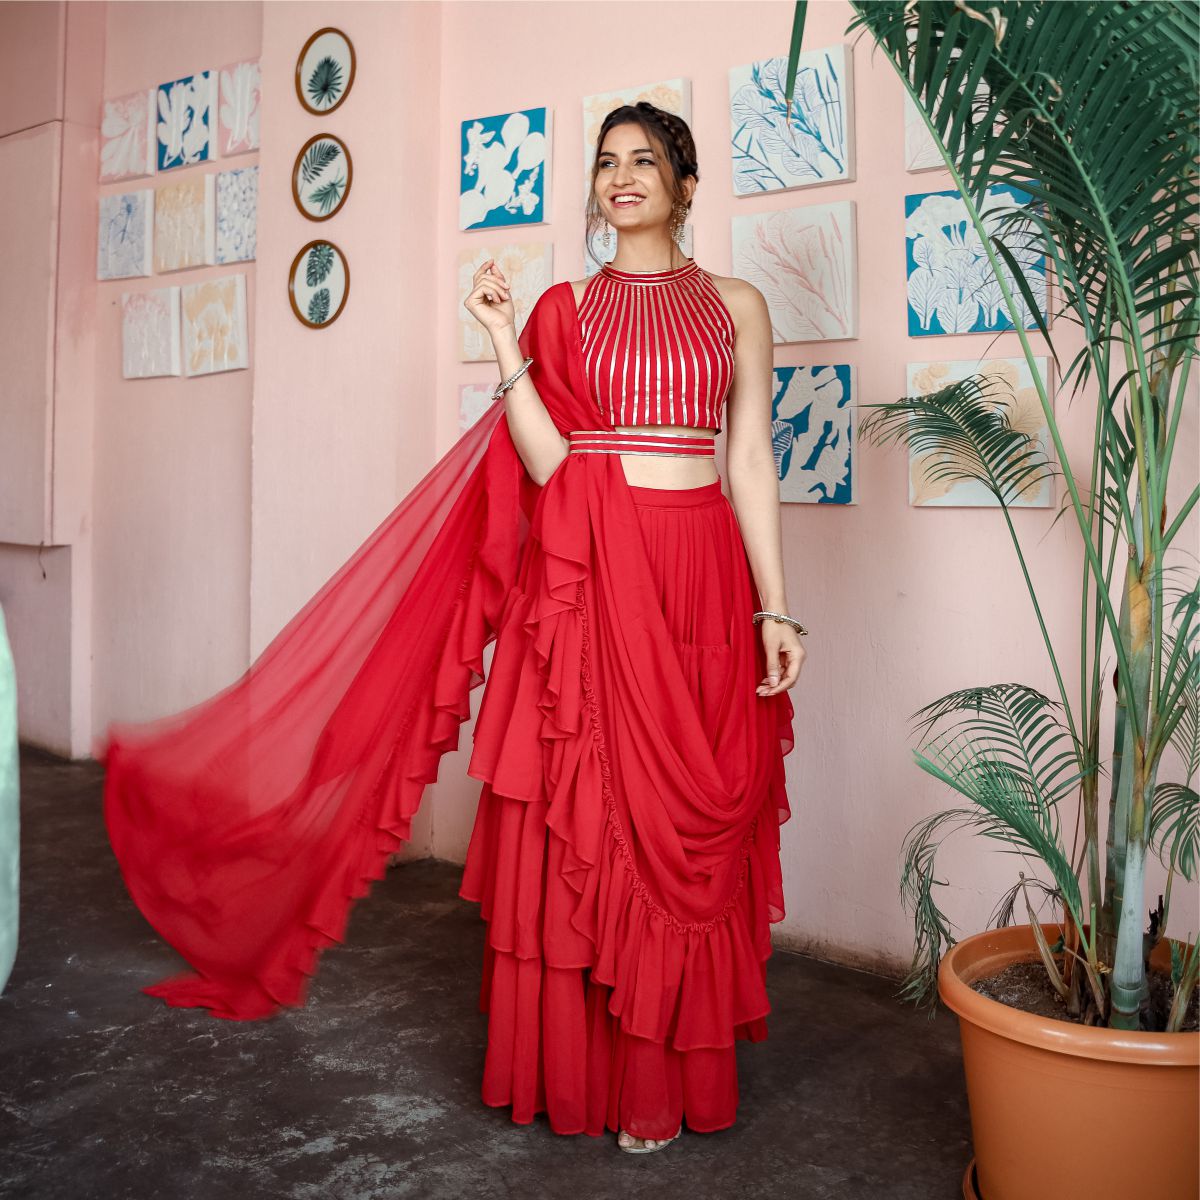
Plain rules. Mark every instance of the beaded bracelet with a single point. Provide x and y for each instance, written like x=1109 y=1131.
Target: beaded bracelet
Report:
x=760 y=616
x=511 y=379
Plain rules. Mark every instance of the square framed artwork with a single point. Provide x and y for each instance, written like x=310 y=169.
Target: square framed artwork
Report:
x=812 y=434
x=125 y=235
x=771 y=152
x=184 y=229
x=239 y=107
x=214 y=326
x=237 y=215
x=1011 y=386
x=127 y=137
x=151 y=340
x=804 y=261
x=504 y=176
x=186 y=111
x=950 y=284
x=529 y=269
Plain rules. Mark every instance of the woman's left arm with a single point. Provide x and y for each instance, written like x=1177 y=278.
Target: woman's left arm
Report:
x=753 y=482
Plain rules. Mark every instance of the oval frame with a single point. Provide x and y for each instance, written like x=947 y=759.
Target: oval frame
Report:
x=321 y=112
x=300 y=256
x=322 y=137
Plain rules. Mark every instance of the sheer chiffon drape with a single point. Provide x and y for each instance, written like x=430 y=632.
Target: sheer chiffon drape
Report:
x=625 y=853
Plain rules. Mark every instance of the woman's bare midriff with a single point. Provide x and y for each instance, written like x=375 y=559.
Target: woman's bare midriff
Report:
x=661 y=471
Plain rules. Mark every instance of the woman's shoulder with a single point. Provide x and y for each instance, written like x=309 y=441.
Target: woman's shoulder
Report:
x=741 y=297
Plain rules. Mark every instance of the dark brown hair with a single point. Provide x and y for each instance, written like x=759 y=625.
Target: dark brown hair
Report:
x=669 y=132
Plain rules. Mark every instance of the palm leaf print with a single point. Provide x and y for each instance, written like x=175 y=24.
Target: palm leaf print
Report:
x=318 y=307
x=319 y=156
x=329 y=194
x=320 y=263
x=325 y=83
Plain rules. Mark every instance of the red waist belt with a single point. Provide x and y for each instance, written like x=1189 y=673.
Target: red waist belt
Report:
x=611 y=441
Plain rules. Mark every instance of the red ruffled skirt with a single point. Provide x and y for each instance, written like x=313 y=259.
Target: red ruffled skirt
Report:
x=628 y=924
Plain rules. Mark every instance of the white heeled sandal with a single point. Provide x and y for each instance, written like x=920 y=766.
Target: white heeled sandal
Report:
x=646 y=1146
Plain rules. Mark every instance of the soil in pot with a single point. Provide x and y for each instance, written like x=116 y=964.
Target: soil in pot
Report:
x=1025 y=986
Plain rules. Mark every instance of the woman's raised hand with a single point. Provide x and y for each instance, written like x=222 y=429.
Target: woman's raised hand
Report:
x=489 y=301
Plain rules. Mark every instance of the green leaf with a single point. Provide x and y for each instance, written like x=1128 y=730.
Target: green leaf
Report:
x=329 y=194
x=318 y=306
x=320 y=263
x=318 y=156
x=325 y=83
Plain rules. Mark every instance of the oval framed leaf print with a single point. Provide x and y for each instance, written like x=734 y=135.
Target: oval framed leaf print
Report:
x=322 y=176
x=325 y=70
x=318 y=284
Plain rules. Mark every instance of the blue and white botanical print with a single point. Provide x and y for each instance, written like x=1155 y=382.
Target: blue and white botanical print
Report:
x=237 y=215
x=505 y=175
x=124 y=236
x=951 y=285
x=772 y=153
x=811 y=428
x=185 y=121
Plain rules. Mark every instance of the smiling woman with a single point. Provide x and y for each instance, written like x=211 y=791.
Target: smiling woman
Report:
x=631 y=738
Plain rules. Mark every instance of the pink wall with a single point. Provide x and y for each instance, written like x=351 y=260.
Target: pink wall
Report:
x=220 y=504
x=904 y=604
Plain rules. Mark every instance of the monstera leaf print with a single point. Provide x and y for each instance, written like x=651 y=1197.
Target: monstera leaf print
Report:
x=320 y=263
x=318 y=306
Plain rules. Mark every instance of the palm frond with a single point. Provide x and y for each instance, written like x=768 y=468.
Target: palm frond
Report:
x=1175 y=819
x=1090 y=108
x=964 y=432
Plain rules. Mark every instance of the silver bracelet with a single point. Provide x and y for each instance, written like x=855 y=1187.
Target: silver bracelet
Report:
x=759 y=617
x=511 y=380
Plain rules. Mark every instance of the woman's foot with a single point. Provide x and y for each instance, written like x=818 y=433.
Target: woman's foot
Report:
x=637 y=1145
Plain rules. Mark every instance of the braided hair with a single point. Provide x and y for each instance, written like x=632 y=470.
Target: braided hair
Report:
x=666 y=129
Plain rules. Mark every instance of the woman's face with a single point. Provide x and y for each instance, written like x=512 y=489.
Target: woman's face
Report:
x=630 y=185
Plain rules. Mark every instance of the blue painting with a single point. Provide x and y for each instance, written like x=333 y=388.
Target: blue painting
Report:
x=185 y=116
x=951 y=285
x=505 y=176
x=774 y=153
x=811 y=433
x=125 y=238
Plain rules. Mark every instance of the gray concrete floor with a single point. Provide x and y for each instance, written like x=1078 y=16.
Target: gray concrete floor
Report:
x=372 y=1089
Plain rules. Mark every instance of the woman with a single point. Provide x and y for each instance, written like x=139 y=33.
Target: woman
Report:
x=631 y=735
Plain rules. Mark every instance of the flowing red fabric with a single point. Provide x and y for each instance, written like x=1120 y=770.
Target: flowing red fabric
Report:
x=626 y=847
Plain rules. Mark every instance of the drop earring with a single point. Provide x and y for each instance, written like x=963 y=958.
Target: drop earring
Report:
x=678 y=212
x=607 y=238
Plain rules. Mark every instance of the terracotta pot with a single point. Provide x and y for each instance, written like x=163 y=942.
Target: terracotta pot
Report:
x=1069 y=1111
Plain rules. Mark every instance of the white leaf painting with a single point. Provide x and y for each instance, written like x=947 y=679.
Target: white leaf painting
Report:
x=804 y=262
x=812 y=425
x=127 y=141
x=184 y=121
x=772 y=152
x=951 y=285
x=241 y=100
x=150 y=334
x=214 y=326
x=1011 y=387
x=505 y=176
x=529 y=269
x=125 y=235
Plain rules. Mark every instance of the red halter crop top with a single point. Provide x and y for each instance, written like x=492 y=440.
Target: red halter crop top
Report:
x=658 y=346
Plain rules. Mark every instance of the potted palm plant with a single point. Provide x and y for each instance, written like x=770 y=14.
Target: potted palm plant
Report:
x=1090 y=109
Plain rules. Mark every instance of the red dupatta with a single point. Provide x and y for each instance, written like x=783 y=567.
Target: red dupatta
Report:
x=245 y=827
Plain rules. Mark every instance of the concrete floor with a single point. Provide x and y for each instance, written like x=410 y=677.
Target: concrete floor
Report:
x=372 y=1089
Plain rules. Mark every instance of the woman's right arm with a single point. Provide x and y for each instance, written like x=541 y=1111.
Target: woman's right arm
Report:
x=535 y=436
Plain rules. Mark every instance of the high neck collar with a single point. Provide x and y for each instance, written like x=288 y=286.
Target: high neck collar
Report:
x=666 y=276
